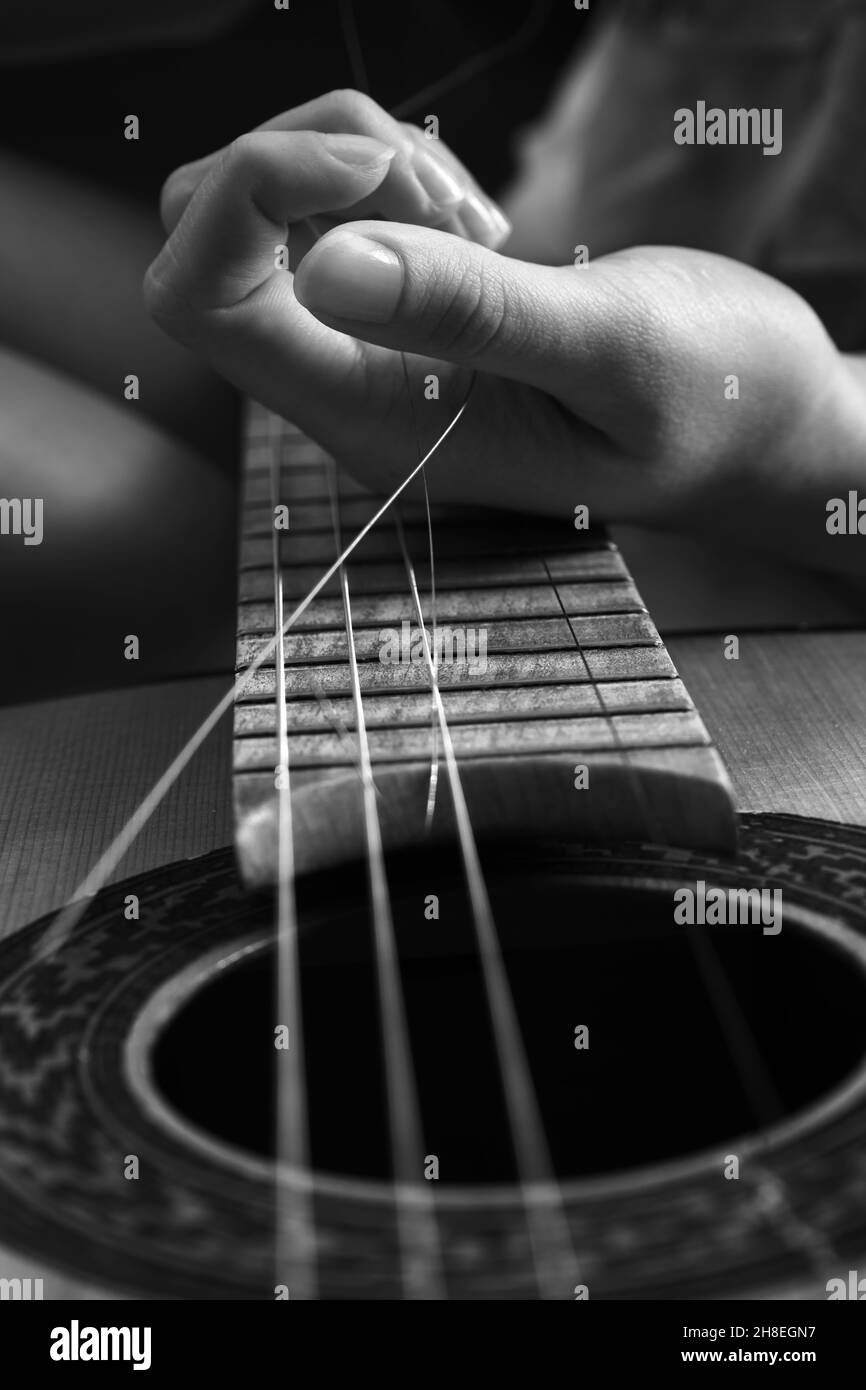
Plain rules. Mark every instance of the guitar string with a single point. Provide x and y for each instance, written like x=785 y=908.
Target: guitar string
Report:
x=547 y=1227
x=553 y=1256
x=352 y=41
x=749 y=1064
x=418 y=1236
x=472 y=67
x=324 y=705
x=71 y=913
x=433 y=781
x=546 y=1235
x=294 y=1239
x=419 y=1244
x=355 y=53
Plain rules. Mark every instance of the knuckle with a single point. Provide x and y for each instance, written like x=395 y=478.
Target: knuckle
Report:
x=355 y=107
x=247 y=155
x=472 y=317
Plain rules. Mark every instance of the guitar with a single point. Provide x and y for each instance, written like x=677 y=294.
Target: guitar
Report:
x=393 y=996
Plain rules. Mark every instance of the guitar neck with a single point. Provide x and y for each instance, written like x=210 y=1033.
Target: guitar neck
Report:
x=566 y=713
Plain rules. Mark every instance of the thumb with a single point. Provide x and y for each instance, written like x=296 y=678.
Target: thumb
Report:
x=425 y=291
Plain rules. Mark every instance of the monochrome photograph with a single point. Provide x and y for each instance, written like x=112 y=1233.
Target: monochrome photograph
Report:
x=433 y=706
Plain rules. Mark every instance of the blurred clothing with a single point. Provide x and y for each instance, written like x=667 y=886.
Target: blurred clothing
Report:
x=602 y=169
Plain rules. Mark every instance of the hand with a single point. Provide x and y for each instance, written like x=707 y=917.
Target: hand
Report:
x=602 y=384
x=215 y=286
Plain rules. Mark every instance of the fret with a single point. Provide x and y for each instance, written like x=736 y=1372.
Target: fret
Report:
x=482 y=740
x=583 y=596
x=504 y=670
x=405 y=709
x=636 y=663
x=546 y=634
x=572 y=670
x=639 y=663
x=467 y=606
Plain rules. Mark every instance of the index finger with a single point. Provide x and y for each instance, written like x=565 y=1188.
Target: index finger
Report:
x=426 y=183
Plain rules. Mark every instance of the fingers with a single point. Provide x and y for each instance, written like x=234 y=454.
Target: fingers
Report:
x=425 y=184
x=224 y=247
x=421 y=291
x=477 y=217
x=216 y=286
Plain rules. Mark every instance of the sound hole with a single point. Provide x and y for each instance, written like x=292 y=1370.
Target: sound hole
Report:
x=657 y=1080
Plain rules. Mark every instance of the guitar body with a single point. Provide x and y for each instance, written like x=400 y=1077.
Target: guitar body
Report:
x=648 y=1210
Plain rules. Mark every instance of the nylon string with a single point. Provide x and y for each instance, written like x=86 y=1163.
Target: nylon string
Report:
x=553 y=1257
x=418 y=1239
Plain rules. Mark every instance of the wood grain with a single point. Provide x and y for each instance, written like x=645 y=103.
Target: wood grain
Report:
x=72 y=771
x=788 y=717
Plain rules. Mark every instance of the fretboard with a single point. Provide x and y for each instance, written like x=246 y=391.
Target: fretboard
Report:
x=565 y=710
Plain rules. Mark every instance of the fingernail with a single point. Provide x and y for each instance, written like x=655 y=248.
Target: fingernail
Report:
x=502 y=222
x=358 y=150
x=348 y=277
x=441 y=186
x=484 y=221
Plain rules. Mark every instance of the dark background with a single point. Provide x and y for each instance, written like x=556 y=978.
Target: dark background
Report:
x=196 y=95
